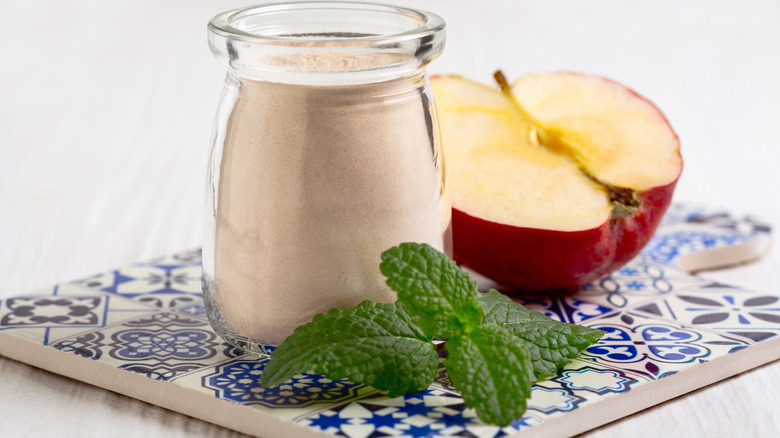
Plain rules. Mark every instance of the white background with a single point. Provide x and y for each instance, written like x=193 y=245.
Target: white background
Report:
x=106 y=111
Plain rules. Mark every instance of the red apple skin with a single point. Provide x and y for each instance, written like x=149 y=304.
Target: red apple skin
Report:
x=537 y=260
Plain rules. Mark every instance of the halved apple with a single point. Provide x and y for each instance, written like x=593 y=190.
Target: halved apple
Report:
x=555 y=182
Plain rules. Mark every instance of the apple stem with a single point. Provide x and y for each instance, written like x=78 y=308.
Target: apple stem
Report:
x=502 y=82
x=538 y=134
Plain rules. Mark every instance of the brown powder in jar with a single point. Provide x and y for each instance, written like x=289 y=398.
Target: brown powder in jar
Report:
x=315 y=182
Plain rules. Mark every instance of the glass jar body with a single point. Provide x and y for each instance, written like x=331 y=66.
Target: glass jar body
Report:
x=325 y=153
x=308 y=183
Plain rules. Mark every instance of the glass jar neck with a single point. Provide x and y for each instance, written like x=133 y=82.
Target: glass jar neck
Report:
x=326 y=43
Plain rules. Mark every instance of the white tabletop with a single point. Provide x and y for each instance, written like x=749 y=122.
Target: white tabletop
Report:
x=106 y=110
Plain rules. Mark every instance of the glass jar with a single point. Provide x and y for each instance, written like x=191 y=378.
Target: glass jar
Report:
x=325 y=153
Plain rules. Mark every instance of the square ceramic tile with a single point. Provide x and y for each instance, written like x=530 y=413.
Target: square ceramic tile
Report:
x=142 y=330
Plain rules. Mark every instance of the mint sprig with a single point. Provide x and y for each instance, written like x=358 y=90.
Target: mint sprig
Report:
x=496 y=348
x=492 y=370
x=373 y=343
x=441 y=298
x=550 y=342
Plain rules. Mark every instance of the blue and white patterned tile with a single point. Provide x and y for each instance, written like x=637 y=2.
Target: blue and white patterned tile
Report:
x=580 y=382
x=590 y=379
x=137 y=280
x=555 y=400
x=433 y=412
x=638 y=281
x=713 y=217
x=565 y=307
x=668 y=246
x=192 y=257
x=656 y=346
x=174 y=273
x=160 y=345
x=440 y=411
x=197 y=308
x=658 y=320
x=97 y=282
x=56 y=312
x=164 y=286
x=166 y=301
x=238 y=381
x=344 y=408
x=693 y=238
x=718 y=307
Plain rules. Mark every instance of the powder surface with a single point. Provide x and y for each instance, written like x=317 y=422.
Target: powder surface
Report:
x=315 y=182
x=330 y=61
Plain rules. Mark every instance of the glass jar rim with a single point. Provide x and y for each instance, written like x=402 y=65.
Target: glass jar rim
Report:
x=326 y=42
x=228 y=24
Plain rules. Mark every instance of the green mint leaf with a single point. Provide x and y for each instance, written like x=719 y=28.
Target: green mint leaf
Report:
x=551 y=343
x=375 y=344
x=442 y=298
x=492 y=370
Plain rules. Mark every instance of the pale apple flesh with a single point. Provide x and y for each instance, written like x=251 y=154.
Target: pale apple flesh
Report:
x=532 y=180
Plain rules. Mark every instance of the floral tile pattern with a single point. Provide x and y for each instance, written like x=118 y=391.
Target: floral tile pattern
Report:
x=640 y=280
x=659 y=347
x=196 y=309
x=690 y=229
x=567 y=308
x=719 y=307
x=160 y=345
x=150 y=319
x=53 y=313
x=238 y=381
x=589 y=378
x=166 y=282
x=432 y=412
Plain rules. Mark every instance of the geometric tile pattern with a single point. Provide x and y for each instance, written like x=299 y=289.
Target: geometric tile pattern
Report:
x=31 y=311
x=165 y=283
x=149 y=319
x=658 y=347
x=238 y=381
x=53 y=313
x=723 y=308
x=638 y=281
x=688 y=229
x=160 y=345
x=585 y=378
x=429 y=413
